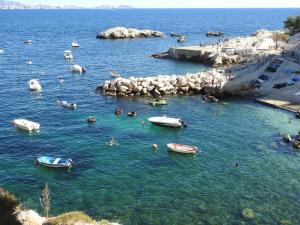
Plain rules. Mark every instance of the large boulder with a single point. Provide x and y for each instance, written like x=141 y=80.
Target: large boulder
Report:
x=123 y=32
x=30 y=217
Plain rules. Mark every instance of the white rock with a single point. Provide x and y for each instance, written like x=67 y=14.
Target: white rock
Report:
x=30 y=217
x=123 y=32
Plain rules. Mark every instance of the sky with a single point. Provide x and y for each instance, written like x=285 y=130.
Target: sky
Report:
x=174 y=3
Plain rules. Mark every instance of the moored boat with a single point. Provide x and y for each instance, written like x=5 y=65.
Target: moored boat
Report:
x=132 y=114
x=159 y=102
x=54 y=162
x=28 y=42
x=210 y=98
x=75 y=44
x=34 y=85
x=68 y=105
x=166 y=121
x=185 y=149
x=26 y=125
x=68 y=55
x=77 y=69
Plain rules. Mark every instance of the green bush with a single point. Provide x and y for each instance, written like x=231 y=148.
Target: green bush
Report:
x=8 y=206
x=292 y=24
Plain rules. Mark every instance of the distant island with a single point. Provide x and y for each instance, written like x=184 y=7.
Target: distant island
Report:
x=4 y=4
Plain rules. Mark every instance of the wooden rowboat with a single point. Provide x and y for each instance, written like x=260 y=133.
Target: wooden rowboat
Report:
x=185 y=149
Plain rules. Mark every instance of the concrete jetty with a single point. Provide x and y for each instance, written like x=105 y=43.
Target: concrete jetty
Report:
x=228 y=51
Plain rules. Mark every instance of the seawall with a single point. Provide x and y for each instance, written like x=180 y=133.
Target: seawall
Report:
x=189 y=84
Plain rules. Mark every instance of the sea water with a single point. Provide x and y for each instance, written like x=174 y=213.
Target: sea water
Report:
x=130 y=182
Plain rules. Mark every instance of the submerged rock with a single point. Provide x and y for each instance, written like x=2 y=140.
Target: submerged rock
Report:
x=248 y=213
x=123 y=33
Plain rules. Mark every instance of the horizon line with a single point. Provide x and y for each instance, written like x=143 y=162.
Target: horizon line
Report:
x=130 y=8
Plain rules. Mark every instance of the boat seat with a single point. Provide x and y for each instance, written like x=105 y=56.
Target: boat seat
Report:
x=56 y=161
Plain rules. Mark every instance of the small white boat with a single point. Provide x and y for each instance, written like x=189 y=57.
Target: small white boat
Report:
x=34 y=85
x=68 y=105
x=77 y=69
x=1 y=51
x=166 y=121
x=29 y=62
x=26 y=125
x=68 y=55
x=75 y=44
x=185 y=149
x=28 y=42
x=54 y=162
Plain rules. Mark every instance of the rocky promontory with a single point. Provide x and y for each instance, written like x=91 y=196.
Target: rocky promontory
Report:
x=123 y=33
x=188 y=84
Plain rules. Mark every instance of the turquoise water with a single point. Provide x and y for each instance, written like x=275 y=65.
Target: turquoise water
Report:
x=131 y=183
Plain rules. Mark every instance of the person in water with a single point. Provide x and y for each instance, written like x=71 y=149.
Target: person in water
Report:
x=91 y=119
x=61 y=80
x=118 y=111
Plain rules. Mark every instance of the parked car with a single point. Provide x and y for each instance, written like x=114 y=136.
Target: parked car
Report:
x=263 y=77
x=280 y=85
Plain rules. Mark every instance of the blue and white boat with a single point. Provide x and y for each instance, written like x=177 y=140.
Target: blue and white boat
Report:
x=54 y=162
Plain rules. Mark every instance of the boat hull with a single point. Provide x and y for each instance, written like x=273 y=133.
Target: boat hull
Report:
x=54 y=162
x=184 y=149
x=26 y=125
x=166 y=122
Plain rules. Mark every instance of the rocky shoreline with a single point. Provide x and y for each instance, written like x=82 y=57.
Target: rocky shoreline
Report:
x=226 y=51
x=31 y=217
x=127 y=33
x=189 y=84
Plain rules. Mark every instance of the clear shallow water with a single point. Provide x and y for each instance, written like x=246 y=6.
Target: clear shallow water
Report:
x=130 y=182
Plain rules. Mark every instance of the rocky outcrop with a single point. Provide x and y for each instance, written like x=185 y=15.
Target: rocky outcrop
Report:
x=188 y=84
x=214 y=34
x=30 y=217
x=227 y=52
x=123 y=33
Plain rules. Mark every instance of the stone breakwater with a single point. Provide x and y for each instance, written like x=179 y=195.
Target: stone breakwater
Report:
x=124 y=33
x=189 y=84
x=228 y=51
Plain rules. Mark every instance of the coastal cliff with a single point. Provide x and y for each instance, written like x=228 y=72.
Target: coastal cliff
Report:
x=124 y=33
x=188 y=84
